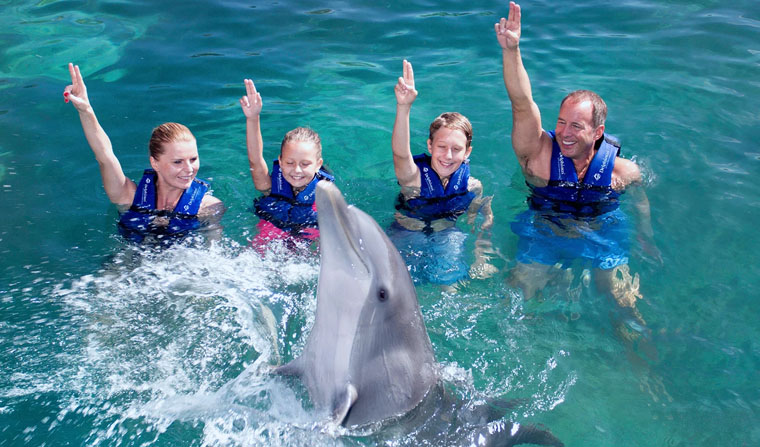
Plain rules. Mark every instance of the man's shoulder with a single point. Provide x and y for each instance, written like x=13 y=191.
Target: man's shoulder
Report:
x=624 y=166
x=625 y=173
x=545 y=141
x=537 y=165
x=543 y=152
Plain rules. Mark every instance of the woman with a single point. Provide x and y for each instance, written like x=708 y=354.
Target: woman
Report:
x=169 y=200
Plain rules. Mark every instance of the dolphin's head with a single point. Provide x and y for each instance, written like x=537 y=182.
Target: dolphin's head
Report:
x=354 y=247
x=368 y=356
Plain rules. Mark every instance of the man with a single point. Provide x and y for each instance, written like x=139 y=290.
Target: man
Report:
x=575 y=177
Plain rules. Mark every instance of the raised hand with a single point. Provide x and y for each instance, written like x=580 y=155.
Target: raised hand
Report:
x=508 y=30
x=119 y=188
x=76 y=92
x=251 y=102
x=405 y=92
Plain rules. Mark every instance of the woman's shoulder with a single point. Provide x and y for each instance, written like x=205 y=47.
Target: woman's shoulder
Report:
x=211 y=205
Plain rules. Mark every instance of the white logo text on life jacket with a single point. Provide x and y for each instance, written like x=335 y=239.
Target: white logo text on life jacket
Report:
x=192 y=199
x=427 y=178
x=605 y=161
x=145 y=190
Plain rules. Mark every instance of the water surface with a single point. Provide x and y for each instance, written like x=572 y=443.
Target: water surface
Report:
x=101 y=344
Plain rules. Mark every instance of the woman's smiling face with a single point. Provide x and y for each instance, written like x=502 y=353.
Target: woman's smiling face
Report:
x=177 y=165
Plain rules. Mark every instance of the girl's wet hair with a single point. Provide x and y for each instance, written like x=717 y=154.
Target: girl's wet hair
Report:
x=167 y=133
x=303 y=134
x=453 y=121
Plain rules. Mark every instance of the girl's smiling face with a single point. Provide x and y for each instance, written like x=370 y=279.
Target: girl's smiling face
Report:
x=299 y=162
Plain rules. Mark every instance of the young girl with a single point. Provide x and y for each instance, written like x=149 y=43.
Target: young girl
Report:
x=287 y=206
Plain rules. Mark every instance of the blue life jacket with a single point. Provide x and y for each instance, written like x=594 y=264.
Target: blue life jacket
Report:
x=136 y=222
x=287 y=211
x=566 y=194
x=434 y=201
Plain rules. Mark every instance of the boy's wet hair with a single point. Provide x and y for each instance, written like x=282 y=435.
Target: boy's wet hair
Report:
x=598 y=106
x=167 y=133
x=453 y=121
x=303 y=134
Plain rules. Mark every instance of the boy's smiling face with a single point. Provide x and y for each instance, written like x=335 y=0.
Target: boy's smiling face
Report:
x=448 y=150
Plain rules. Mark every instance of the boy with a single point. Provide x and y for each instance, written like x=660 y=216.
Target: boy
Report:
x=435 y=190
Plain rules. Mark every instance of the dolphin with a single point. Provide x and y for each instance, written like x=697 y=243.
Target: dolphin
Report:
x=368 y=357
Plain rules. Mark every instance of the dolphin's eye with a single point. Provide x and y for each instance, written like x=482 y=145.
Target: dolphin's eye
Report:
x=382 y=295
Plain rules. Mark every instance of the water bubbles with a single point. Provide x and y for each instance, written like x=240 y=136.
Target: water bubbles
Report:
x=157 y=341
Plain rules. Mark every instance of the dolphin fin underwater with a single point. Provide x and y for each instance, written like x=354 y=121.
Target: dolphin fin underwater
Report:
x=368 y=357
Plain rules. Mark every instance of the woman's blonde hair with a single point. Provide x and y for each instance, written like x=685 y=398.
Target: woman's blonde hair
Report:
x=167 y=133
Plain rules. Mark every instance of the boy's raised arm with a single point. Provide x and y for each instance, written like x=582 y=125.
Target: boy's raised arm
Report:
x=407 y=172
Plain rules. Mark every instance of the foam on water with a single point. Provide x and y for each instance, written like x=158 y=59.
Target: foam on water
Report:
x=160 y=336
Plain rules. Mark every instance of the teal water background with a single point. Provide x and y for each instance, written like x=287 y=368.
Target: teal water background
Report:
x=102 y=345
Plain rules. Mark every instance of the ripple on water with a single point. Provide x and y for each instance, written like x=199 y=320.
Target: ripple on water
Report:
x=42 y=42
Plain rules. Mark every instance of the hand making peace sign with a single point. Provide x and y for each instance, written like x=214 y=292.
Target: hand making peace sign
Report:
x=508 y=30
x=405 y=92
x=76 y=92
x=251 y=103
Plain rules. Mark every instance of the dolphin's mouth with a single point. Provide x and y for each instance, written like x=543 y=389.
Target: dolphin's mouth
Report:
x=340 y=244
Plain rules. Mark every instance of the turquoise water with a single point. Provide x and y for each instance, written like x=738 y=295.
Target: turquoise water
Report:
x=103 y=345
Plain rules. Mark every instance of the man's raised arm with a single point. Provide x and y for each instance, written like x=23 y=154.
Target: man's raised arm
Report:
x=526 y=117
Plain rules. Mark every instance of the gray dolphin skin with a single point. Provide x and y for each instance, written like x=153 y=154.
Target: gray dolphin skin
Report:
x=368 y=357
